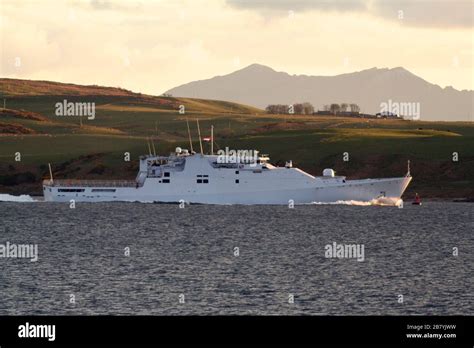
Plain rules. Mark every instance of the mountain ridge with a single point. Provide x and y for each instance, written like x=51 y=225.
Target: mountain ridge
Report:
x=260 y=85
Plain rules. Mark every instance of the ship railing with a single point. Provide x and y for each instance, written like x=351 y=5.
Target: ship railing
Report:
x=90 y=183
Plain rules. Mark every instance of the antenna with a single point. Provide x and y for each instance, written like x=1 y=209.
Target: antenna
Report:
x=153 y=146
x=199 y=133
x=149 y=149
x=212 y=139
x=189 y=135
x=50 y=173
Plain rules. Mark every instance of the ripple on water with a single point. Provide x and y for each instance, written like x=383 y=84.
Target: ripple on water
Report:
x=190 y=251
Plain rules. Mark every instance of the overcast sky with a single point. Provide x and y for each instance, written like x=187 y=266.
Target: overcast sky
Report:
x=152 y=46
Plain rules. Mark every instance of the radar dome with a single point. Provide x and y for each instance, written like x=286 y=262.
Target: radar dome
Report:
x=328 y=172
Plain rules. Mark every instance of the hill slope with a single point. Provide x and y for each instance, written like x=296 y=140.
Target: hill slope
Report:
x=117 y=111
x=124 y=120
x=18 y=87
x=260 y=85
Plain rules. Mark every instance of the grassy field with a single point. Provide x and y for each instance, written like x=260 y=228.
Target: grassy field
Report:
x=124 y=120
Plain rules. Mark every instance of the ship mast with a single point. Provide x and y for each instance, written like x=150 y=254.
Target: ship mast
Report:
x=149 y=149
x=153 y=146
x=189 y=135
x=199 y=133
x=50 y=174
x=212 y=140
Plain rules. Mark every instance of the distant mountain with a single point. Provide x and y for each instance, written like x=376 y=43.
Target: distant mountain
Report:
x=259 y=85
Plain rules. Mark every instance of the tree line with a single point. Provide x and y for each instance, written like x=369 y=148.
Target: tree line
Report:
x=343 y=107
x=297 y=108
x=308 y=109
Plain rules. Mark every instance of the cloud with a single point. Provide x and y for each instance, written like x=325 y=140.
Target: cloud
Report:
x=109 y=5
x=101 y=4
x=456 y=13
x=421 y=13
x=283 y=6
x=153 y=46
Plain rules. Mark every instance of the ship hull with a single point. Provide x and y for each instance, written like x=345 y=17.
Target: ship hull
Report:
x=367 y=190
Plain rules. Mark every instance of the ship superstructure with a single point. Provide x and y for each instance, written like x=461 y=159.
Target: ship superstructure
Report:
x=190 y=177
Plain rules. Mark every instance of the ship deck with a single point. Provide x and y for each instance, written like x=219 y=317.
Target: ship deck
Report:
x=90 y=183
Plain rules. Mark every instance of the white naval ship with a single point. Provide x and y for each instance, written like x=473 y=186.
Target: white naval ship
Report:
x=185 y=176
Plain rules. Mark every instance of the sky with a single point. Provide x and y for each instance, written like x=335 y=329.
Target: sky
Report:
x=152 y=46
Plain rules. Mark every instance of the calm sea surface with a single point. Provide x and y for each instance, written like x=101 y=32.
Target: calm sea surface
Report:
x=281 y=252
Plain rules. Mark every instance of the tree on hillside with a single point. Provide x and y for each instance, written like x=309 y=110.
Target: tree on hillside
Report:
x=277 y=109
x=326 y=107
x=334 y=108
x=308 y=108
x=270 y=109
x=355 y=108
x=298 y=108
x=283 y=109
x=344 y=107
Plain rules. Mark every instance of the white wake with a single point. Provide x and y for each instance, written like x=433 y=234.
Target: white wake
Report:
x=10 y=198
x=383 y=201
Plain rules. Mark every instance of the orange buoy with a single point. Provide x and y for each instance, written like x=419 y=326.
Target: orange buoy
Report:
x=417 y=200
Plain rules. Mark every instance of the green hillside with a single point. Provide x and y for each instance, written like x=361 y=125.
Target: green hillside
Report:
x=124 y=120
